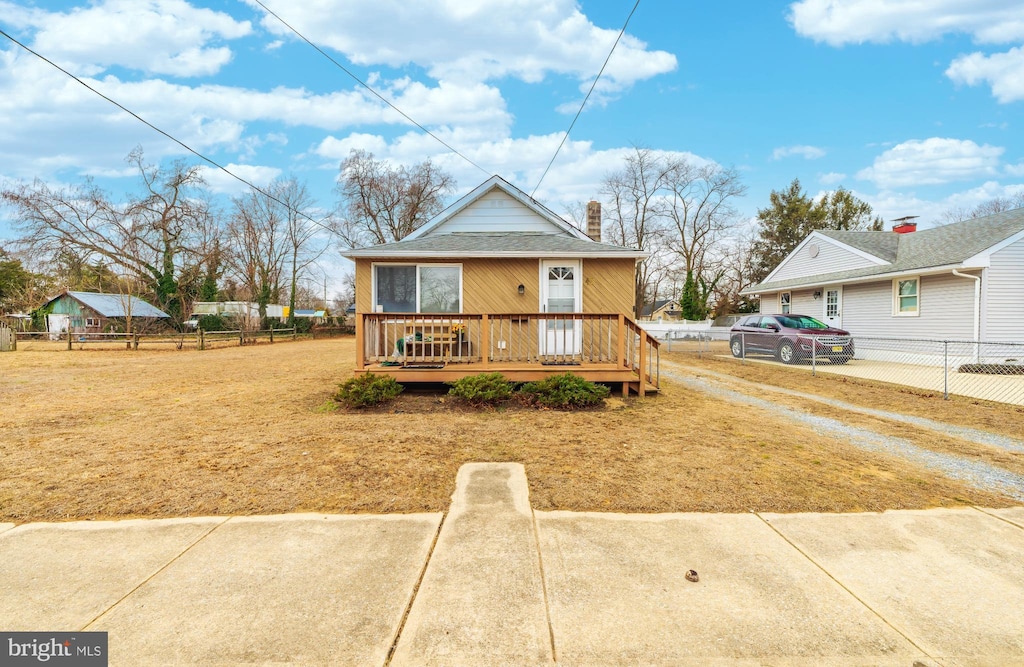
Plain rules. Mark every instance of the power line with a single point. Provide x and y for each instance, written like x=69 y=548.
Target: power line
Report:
x=580 y=110
x=369 y=88
x=169 y=136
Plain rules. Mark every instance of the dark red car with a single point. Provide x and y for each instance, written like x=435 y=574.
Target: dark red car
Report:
x=790 y=338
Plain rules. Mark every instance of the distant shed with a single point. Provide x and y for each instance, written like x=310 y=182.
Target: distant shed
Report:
x=94 y=312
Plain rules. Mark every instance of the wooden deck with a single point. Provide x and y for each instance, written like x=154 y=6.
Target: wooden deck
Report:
x=433 y=348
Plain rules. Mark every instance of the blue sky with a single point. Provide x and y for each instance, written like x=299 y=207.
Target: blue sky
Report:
x=916 y=107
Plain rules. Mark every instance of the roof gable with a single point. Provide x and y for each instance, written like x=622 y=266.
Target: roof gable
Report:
x=496 y=206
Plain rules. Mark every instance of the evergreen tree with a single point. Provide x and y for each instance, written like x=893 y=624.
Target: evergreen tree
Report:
x=792 y=215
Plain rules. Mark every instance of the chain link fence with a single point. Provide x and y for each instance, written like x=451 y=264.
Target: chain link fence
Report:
x=987 y=370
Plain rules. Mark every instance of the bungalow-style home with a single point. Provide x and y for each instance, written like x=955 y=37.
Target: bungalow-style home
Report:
x=498 y=282
x=963 y=281
x=662 y=309
x=94 y=312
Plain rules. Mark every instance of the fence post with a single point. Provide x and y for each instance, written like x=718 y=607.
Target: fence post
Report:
x=201 y=342
x=135 y=342
x=69 y=337
x=241 y=338
x=271 y=335
x=295 y=332
x=814 y=356
x=945 y=370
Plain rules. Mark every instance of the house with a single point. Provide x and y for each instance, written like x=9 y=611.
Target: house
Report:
x=963 y=281
x=498 y=282
x=94 y=312
x=662 y=309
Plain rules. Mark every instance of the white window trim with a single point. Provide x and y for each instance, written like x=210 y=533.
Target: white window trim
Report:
x=790 y=295
x=373 y=279
x=896 y=297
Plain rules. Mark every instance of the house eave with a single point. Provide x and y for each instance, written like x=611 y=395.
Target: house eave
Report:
x=874 y=277
x=625 y=254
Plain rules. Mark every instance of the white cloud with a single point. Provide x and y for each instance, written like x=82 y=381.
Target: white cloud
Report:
x=156 y=36
x=1004 y=72
x=1015 y=169
x=806 y=152
x=223 y=183
x=839 y=22
x=466 y=40
x=932 y=161
x=831 y=178
x=892 y=204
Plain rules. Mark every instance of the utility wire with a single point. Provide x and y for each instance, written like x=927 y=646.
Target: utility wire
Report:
x=369 y=88
x=592 y=86
x=142 y=120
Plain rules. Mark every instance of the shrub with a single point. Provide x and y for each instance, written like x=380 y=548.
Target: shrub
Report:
x=566 y=392
x=483 y=389
x=213 y=323
x=367 y=390
x=303 y=325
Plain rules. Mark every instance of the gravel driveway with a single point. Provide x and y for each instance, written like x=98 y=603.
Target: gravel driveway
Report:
x=980 y=475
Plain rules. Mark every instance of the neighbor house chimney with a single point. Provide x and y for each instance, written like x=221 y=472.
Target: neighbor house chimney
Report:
x=594 y=220
x=904 y=225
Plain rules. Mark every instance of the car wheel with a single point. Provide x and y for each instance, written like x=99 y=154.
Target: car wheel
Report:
x=786 y=353
x=736 y=345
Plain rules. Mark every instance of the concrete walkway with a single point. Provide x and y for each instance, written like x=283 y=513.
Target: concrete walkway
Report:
x=494 y=583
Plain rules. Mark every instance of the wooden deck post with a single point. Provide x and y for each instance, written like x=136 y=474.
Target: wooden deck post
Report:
x=643 y=364
x=360 y=336
x=485 y=340
x=622 y=341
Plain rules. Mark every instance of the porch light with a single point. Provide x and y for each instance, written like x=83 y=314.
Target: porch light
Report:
x=522 y=289
x=817 y=295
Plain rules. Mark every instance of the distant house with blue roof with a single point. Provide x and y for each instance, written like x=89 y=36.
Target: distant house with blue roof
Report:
x=94 y=312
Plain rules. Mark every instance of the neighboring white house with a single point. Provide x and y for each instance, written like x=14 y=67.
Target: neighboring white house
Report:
x=963 y=281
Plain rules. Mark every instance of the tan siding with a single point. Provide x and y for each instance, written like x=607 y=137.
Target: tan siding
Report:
x=492 y=285
x=830 y=258
x=608 y=285
x=364 y=286
x=1004 y=295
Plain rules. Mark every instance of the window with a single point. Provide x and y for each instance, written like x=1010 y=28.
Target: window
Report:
x=906 y=293
x=92 y=321
x=417 y=288
x=784 y=302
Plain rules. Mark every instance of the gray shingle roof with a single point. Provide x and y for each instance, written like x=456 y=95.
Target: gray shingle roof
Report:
x=113 y=305
x=949 y=245
x=495 y=244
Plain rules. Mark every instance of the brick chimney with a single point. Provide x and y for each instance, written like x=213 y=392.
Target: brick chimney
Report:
x=594 y=220
x=904 y=225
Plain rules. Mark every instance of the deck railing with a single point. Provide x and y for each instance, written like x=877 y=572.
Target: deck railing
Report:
x=551 y=339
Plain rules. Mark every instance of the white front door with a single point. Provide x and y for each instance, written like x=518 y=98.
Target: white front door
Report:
x=834 y=307
x=560 y=292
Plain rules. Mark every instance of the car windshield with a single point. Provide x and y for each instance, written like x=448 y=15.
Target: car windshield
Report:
x=801 y=322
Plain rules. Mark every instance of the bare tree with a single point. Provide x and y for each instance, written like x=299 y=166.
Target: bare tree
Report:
x=300 y=233
x=990 y=207
x=633 y=212
x=156 y=237
x=257 y=235
x=381 y=204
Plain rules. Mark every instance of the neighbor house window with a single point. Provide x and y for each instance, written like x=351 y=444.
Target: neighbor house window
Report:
x=906 y=296
x=417 y=288
x=92 y=322
x=784 y=302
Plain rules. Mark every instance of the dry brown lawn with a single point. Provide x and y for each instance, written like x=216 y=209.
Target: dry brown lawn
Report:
x=254 y=430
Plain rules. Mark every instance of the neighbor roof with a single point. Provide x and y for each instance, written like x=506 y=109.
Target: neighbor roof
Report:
x=956 y=245
x=113 y=305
